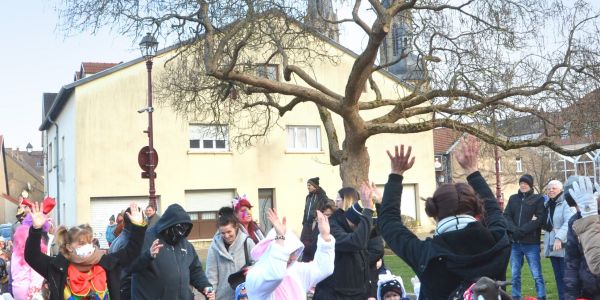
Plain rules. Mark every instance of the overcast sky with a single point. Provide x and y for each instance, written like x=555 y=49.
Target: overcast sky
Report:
x=37 y=58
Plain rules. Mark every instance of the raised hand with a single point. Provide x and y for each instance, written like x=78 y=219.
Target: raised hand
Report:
x=155 y=248
x=401 y=161
x=279 y=225
x=366 y=194
x=378 y=196
x=209 y=293
x=323 y=223
x=468 y=154
x=38 y=218
x=583 y=194
x=136 y=215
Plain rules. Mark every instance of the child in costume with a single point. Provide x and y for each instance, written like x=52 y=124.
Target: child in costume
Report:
x=26 y=282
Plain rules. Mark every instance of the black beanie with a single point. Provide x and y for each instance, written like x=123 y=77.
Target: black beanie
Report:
x=527 y=179
x=314 y=182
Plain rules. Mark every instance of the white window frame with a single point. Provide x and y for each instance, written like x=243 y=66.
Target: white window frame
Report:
x=297 y=131
x=268 y=71
x=519 y=165
x=208 y=133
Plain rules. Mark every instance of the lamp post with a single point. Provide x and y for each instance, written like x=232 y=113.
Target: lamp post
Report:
x=29 y=148
x=149 y=46
x=492 y=90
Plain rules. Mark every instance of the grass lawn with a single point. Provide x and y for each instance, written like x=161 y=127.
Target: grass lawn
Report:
x=398 y=267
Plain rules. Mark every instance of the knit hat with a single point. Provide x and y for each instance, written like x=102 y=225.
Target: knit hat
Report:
x=392 y=286
x=353 y=213
x=112 y=218
x=527 y=179
x=314 y=182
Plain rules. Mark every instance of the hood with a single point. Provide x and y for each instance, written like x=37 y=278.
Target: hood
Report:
x=389 y=278
x=291 y=244
x=473 y=251
x=175 y=214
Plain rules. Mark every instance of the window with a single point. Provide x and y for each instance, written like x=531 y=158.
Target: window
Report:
x=519 y=165
x=304 y=138
x=395 y=43
x=209 y=137
x=268 y=71
x=564 y=132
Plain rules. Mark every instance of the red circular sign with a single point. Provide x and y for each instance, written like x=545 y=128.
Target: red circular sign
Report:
x=144 y=158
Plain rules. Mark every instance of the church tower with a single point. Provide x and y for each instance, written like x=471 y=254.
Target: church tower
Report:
x=317 y=12
x=398 y=42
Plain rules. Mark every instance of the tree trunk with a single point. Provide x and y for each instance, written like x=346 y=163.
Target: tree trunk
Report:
x=354 y=166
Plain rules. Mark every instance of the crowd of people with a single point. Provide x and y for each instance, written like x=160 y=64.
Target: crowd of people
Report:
x=339 y=253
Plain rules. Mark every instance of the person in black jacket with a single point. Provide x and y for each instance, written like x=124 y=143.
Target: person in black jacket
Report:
x=351 y=230
x=315 y=200
x=524 y=214
x=168 y=273
x=470 y=239
x=97 y=273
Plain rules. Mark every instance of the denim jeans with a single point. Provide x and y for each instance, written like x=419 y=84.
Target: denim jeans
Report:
x=558 y=266
x=532 y=253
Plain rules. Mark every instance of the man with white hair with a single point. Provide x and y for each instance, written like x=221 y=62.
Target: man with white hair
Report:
x=555 y=225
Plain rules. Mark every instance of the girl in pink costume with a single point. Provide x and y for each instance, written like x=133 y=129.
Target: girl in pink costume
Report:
x=27 y=283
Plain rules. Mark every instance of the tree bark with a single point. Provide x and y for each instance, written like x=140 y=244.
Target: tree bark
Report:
x=355 y=162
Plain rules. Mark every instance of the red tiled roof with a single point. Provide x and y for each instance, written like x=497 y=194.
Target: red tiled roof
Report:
x=443 y=139
x=95 y=67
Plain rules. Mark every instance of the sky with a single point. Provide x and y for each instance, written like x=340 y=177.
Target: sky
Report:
x=38 y=58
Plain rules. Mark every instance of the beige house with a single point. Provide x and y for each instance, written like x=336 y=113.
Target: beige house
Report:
x=93 y=132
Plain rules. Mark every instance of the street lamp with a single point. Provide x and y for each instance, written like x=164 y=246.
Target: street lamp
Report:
x=29 y=148
x=148 y=47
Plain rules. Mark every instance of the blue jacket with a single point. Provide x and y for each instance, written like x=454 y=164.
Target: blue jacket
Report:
x=579 y=281
x=110 y=233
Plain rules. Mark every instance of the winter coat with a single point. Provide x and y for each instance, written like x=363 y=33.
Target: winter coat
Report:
x=153 y=220
x=314 y=201
x=376 y=252
x=560 y=225
x=54 y=269
x=175 y=268
x=119 y=243
x=110 y=233
x=272 y=279
x=258 y=234
x=222 y=262
x=350 y=277
x=450 y=259
x=580 y=282
x=524 y=214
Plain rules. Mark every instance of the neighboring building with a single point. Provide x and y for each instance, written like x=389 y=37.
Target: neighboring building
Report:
x=93 y=146
x=320 y=15
x=396 y=49
x=447 y=169
x=21 y=175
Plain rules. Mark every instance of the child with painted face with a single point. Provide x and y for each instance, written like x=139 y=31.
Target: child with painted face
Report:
x=82 y=271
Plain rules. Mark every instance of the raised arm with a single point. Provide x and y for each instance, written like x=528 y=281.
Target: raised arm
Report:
x=322 y=266
x=400 y=239
x=467 y=157
x=33 y=254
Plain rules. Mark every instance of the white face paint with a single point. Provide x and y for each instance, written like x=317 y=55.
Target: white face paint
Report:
x=85 y=250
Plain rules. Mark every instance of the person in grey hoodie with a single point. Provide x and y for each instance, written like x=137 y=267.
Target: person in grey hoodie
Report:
x=555 y=225
x=228 y=253
x=169 y=273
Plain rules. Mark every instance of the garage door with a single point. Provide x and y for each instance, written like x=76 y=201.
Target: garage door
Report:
x=103 y=207
x=408 y=205
x=202 y=205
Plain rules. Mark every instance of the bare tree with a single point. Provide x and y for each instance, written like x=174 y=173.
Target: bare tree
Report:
x=539 y=163
x=519 y=57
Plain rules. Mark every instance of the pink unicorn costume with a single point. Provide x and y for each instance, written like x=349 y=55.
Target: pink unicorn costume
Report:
x=27 y=283
x=272 y=279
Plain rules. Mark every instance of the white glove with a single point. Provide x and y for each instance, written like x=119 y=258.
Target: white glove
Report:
x=583 y=194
